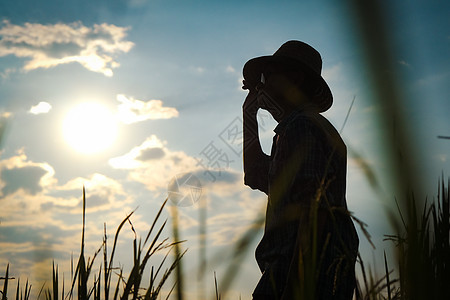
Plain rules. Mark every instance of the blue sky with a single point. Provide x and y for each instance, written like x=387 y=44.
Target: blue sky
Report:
x=169 y=72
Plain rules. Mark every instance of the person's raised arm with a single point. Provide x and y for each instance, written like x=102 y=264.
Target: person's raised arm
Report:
x=256 y=162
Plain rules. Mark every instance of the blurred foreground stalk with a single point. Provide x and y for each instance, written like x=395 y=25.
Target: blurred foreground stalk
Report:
x=421 y=231
x=400 y=151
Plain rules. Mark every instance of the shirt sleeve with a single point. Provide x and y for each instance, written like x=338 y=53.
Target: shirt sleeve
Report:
x=256 y=174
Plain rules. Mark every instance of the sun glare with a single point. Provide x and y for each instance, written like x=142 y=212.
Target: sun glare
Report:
x=90 y=128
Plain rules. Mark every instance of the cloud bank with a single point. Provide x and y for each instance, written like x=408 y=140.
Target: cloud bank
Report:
x=134 y=110
x=153 y=164
x=48 y=46
x=19 y=173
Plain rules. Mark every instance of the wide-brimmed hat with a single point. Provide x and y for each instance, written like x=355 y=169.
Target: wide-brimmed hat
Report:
x=295 y=55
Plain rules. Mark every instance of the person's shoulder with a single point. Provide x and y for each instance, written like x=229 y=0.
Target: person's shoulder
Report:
x=316 y=120
x=303 y=120
x=311 y=123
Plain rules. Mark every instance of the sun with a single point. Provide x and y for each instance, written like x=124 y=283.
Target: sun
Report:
x=90 y=128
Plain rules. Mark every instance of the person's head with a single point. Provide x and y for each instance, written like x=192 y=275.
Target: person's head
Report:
x=289 y=79
x=282 y=90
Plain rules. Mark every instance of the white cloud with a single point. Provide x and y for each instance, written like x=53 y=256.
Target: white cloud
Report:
x=200 y=70
x=197 y=69
x=20 y=174
x=230 y=69
x=134 y=110
x=40 y=108
x=47 y=46
x=333 y=73
x=153 y=164
x=35 y=184
x=102 y=193
x=131 y=159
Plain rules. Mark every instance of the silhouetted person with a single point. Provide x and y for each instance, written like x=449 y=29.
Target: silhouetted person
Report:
x=309 y=246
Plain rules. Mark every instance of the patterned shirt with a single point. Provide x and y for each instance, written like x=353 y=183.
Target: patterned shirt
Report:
x=308 y=156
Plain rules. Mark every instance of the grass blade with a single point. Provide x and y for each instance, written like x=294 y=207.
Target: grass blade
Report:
x=116 y=292
x=216 y=287
x=105 y=262
x=40 y=291
x=55 y=282
x=17 y=289
x=82 y=274
x=388 y=283
x=179 y=270
x=5 y=284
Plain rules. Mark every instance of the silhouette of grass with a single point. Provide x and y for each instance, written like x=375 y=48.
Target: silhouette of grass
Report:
x=423 y=254
x=423 y=249
x=131 y=287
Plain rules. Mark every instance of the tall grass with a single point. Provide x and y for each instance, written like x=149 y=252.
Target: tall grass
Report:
x=422 y=267
x=100 y=285
x=422 y=250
